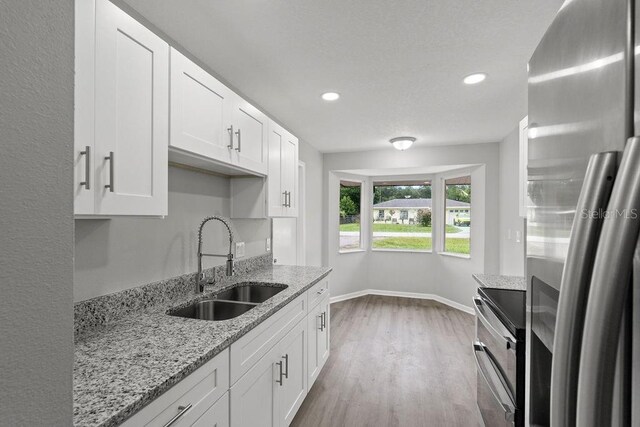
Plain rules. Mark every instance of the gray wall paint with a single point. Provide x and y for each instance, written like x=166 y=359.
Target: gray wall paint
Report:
x=122 y=253
x=511 y=252
x=313 y=198
x=36 y=219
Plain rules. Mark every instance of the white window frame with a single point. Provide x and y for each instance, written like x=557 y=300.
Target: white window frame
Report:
x=363 y=246
x=443 y=199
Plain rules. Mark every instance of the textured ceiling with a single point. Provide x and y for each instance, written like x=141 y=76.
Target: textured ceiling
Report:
x=397 y=64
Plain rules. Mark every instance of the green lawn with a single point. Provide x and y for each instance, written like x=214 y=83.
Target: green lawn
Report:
x=398 y=228
x=457 y=246
x=407 y=243
x=454 y=245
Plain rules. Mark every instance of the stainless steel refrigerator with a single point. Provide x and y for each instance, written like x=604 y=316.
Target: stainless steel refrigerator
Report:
x=583 y=294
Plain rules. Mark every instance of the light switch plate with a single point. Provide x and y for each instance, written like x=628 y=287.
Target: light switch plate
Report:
x=268 y=244
x=239 y=249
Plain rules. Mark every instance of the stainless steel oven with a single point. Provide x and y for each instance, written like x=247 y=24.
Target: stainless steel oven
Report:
x=499 y=355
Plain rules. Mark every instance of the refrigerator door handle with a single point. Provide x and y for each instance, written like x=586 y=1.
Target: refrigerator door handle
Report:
x=609 y=285
x=574 y=289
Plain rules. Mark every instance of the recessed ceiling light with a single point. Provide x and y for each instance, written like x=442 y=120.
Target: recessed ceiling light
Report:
x=330 y=96
x=475 y=78
x=402 y=142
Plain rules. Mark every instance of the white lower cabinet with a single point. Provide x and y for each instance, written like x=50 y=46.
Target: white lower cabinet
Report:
x=199 y=399
x=293 y=362
x=318 y=340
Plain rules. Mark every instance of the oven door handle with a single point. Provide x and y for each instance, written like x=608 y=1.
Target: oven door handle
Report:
x=504 y=401
x=509 y=343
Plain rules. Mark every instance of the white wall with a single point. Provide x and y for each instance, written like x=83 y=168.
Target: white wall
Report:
x=511 y=251
x=430 y=273
x=36 y=216
x=122 y=253
x=313 y=203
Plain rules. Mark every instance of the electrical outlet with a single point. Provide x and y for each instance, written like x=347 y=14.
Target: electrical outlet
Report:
x=268 y=244
x=239 y=249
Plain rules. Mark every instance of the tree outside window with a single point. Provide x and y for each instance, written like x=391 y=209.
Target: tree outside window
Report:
x=350 y=226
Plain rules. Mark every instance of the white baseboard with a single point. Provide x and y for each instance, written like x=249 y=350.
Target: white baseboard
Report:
x=433 y=297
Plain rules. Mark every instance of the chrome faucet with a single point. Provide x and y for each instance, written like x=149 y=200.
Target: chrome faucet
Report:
x=229 y=256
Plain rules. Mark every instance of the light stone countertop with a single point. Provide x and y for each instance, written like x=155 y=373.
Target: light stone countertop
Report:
x=501 y=282
x=121 y=366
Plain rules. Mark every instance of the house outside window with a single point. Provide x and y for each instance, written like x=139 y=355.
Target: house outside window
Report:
x=401 y=216
x=457 y=212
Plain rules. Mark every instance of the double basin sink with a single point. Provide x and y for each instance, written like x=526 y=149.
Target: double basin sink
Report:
x=230 y=303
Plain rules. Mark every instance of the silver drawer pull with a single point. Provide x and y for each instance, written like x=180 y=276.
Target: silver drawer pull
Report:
x=321 y=291
x=280 y=374
x=183 y=410
x=239 y=148
x=509 y=343
x=285 y=199
x=507 y=407
x=87 y=168
x=110 y=185
x=286 y=365
x=321 y=322
x=230 y=130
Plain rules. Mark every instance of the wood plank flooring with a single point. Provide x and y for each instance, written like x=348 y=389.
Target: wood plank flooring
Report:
x=395 y=362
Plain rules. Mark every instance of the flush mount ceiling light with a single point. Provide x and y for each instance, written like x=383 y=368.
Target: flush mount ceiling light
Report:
x=402 y=142
x=330 y=96
x=475 y=78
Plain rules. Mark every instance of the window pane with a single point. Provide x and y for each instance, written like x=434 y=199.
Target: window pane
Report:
x=402 y=215
x=350 y=237
x=458 y=215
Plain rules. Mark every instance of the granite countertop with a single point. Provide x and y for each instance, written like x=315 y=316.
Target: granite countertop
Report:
x=501 y=282
x=122 y=366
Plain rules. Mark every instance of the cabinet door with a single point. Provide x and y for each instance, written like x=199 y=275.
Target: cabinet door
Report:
x=251 y=135
x=84 y=152
x=131 y=115
x=324 y=338
x=276 y=196
x=254 y=401
x=314 y=360
x=293 y=355
x=289 y=175
x=216 y=416
x=201 y=109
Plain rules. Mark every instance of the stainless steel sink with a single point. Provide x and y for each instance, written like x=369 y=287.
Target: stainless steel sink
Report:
x=213 y=310
x=250 y=292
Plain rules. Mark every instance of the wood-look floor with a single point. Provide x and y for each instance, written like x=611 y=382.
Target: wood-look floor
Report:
x=395 y=362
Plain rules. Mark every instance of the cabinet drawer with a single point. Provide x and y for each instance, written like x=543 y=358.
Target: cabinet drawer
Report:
x=200 y=389
x=215 y=416
x=317 y=292
x=250 y=348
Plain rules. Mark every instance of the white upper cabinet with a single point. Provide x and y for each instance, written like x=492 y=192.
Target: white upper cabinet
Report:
x=283 y=172
x=122 y=110
x=211 y=126
x=201 y=110
x=251 y=130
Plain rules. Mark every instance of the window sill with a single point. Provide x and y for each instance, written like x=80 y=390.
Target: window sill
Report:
x=351 y=251
x=410 y=251
x=455 y=255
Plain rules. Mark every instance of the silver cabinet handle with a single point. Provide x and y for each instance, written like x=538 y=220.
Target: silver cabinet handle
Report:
x=574 y=289
x=230 y=130
x=239 y=148
x=509 y=343
x=608 y=293
x=111 y=184
x=285 y=199
x=321 y=323
x=324 y=320
x=183 y=410
x=87 y=167
x=289 y=200
x=286 y=365
x=279 y=381
x=321 y=291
